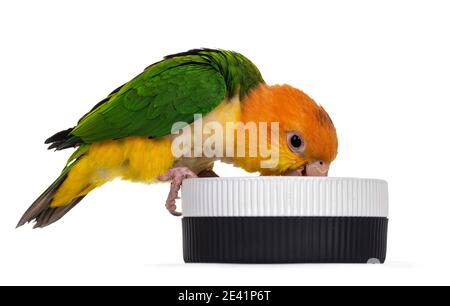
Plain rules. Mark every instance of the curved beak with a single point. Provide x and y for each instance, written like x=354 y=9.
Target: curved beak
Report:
x=317 y=168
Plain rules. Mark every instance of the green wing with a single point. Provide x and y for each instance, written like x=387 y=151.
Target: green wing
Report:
x=169 y=91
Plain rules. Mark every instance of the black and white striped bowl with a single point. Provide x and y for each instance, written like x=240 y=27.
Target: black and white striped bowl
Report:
x=284 y=220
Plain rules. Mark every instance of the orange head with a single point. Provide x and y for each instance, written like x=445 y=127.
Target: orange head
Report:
x=307 y=141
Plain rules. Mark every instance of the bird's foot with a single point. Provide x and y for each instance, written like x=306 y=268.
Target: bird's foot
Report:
x=176 y=175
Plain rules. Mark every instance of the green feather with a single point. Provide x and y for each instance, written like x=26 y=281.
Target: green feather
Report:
x=172 y=90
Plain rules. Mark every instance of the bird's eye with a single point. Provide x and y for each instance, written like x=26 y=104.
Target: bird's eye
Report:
x=295 y=142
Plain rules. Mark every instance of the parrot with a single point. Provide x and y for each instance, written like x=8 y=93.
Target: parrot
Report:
x=130 y=133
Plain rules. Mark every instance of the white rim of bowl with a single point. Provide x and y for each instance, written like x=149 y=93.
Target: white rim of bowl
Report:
x=284 y=197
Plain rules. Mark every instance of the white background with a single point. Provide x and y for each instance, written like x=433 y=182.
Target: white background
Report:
x=380 y=68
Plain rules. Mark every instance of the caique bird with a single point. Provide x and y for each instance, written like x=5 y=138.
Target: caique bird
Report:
x=130 y=133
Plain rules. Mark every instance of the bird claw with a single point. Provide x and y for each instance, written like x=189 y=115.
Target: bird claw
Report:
x=176 y=175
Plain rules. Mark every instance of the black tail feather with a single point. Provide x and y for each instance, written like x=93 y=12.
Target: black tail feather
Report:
x=63 y=140
x=60 y=136
x=41 y=203
x=53 y=214
x=41 y=212
x=71 y=142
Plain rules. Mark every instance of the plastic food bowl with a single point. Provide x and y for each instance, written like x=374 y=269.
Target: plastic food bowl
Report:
x=284 y=220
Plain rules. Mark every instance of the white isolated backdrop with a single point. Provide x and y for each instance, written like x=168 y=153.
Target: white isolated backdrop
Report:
x=380 y=68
